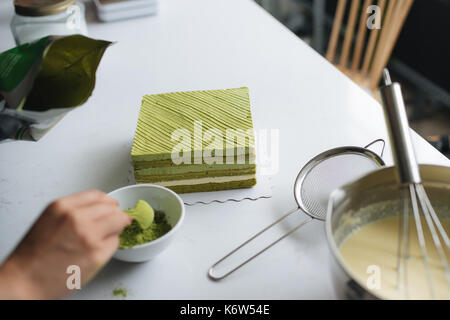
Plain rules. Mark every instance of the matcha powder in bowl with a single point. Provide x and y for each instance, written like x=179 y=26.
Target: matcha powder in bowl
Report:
x=157 y=213
x=135 y=234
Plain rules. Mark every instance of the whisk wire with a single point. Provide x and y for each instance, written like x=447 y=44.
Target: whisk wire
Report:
x=423 y=198
x=403 y=247
x=436 y=220
x=420 y=236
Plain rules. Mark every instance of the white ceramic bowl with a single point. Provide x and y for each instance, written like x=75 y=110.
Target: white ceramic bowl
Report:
x=161 y=199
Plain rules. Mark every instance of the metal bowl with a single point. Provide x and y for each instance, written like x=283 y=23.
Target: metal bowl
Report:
x=343 y=216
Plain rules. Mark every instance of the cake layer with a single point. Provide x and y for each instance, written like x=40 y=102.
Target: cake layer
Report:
x=141 y=163
x=194 y=169
x=195 y=175
x=209 y=186
x=214 y=186
x=205 y=180
x=189 y=121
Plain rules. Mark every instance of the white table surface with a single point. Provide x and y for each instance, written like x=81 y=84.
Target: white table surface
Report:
x=198 y=44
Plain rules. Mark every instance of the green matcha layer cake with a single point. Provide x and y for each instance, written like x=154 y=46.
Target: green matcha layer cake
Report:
x=195 y=141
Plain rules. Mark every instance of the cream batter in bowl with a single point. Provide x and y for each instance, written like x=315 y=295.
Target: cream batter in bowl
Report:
x=362 y=229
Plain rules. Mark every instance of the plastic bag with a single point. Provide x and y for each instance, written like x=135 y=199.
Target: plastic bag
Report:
x=43 y=80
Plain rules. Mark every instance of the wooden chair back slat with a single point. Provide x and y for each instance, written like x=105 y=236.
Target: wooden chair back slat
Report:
x=365 y=63
x=335 y=31
x=349 y=33
x=362 y=30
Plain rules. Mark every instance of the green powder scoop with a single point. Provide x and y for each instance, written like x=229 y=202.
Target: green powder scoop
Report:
x=143 y=213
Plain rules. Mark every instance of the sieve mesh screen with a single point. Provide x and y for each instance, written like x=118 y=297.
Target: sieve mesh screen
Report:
x=328 y=175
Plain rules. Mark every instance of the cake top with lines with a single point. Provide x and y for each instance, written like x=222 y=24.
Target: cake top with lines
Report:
x=194 y=121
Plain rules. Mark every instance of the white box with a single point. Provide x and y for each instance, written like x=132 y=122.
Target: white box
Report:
x=125 y=9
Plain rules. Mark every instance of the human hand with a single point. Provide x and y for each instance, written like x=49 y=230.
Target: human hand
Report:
x=82 y=229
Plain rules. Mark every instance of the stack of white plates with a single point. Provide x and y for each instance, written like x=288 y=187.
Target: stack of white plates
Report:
x=110 y=10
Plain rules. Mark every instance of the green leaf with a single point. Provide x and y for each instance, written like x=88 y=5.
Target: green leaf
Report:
x=67 y=75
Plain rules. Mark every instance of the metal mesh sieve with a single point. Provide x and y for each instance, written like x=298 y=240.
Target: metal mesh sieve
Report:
x=327 y=172
x=313 y=186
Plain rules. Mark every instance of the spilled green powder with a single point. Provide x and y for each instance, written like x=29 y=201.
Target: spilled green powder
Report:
x=134 y=234
x=120 y=292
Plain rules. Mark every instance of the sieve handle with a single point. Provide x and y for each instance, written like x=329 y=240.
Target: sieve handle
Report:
x=375 y=141
x=398 y=129
x=211 y=273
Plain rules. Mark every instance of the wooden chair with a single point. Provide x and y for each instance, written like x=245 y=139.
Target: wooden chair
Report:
x=371 y=49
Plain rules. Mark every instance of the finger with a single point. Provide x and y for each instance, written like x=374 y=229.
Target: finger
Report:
x=97 y=210
x=109 y=246
x=87 y=198
x=112 y=222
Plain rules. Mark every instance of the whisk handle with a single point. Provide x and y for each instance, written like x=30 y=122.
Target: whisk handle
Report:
x=398 y=128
